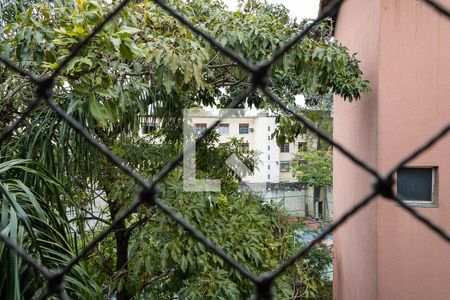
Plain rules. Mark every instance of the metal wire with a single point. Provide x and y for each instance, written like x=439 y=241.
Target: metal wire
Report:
x=259 y=78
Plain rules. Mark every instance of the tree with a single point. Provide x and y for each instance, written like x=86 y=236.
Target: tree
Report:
x=141 y=58
x=40 y=226
x=314 y=167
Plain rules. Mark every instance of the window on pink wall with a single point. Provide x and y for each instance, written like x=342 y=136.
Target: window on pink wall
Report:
x=417 y=184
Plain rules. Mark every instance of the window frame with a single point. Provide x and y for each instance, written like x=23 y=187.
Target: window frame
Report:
x=285 y=148
x=197 y=126
x=302 y=145
x=224 y=125
x=244 y=126
x=433 y=203
x=288 y=164
x=148 y=127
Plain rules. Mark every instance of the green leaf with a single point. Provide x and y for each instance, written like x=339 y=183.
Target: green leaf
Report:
x=198 y=75
x=173 y=254
x=135 y=49
x=116 y=42
x=184 y=263
x=105 y=93
x=39 y=37
x=99 y=111
x=168 y=80
x=174 y=62
x=125 y=51
x=164 y=256
x=126 y=31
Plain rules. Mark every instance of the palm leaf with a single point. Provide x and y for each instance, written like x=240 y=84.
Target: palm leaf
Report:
x=41 y=228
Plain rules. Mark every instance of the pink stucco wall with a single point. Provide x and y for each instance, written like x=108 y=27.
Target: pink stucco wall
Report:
x=355 y=125
x=405 y=51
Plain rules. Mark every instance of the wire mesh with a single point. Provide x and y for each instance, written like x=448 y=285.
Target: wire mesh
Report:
x=148 y=195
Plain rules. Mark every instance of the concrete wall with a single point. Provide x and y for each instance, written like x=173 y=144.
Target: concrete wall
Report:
x=355 y=125
x=414 y=103
x=295 y=202
x=384 y=253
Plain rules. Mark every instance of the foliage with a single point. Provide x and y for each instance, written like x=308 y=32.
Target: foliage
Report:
x=167 y=261
x=41 y=228
x=144 y=57
x=314 y=271
x=314 y=167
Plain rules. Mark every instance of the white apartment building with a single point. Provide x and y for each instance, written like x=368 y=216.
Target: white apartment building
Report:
x=273 y=171
x=256 y=131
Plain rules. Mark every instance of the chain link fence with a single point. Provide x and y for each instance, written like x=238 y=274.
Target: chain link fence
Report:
x=148 y=196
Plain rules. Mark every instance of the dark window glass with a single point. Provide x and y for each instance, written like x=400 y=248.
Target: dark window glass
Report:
x=284 y=166
x=148 y=127
x=200 y=127
x=320 y=209
x=284 y=148
x=415 y=184
x=243 y=128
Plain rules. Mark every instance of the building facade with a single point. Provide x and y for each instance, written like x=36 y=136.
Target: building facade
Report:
x=273 y=172
x=257 y=133
x=383 y=252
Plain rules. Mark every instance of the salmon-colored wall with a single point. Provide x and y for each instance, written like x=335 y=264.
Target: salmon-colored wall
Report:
x=413 y=104
x=405 y=51
x=355 y=125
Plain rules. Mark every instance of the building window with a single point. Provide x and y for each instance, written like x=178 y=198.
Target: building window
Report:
x=268 y=167
x=199 y=128
x=243 y=129
x=148 y=127
x=268 y=176
x=417 y=184
x=268 y=128
x=268 y=157
x=224 y=129
x=284 y=166
x=268 y=147
x=284 y=148
x=319 y=210
x=245 y=146
x=301 y=145
x=268 y=137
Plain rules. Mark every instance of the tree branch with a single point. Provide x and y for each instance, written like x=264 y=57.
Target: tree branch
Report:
x=228 y=81
x=138 y=74
x=222 y=66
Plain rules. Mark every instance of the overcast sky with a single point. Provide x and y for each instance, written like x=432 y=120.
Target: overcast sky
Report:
x=299 y=9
